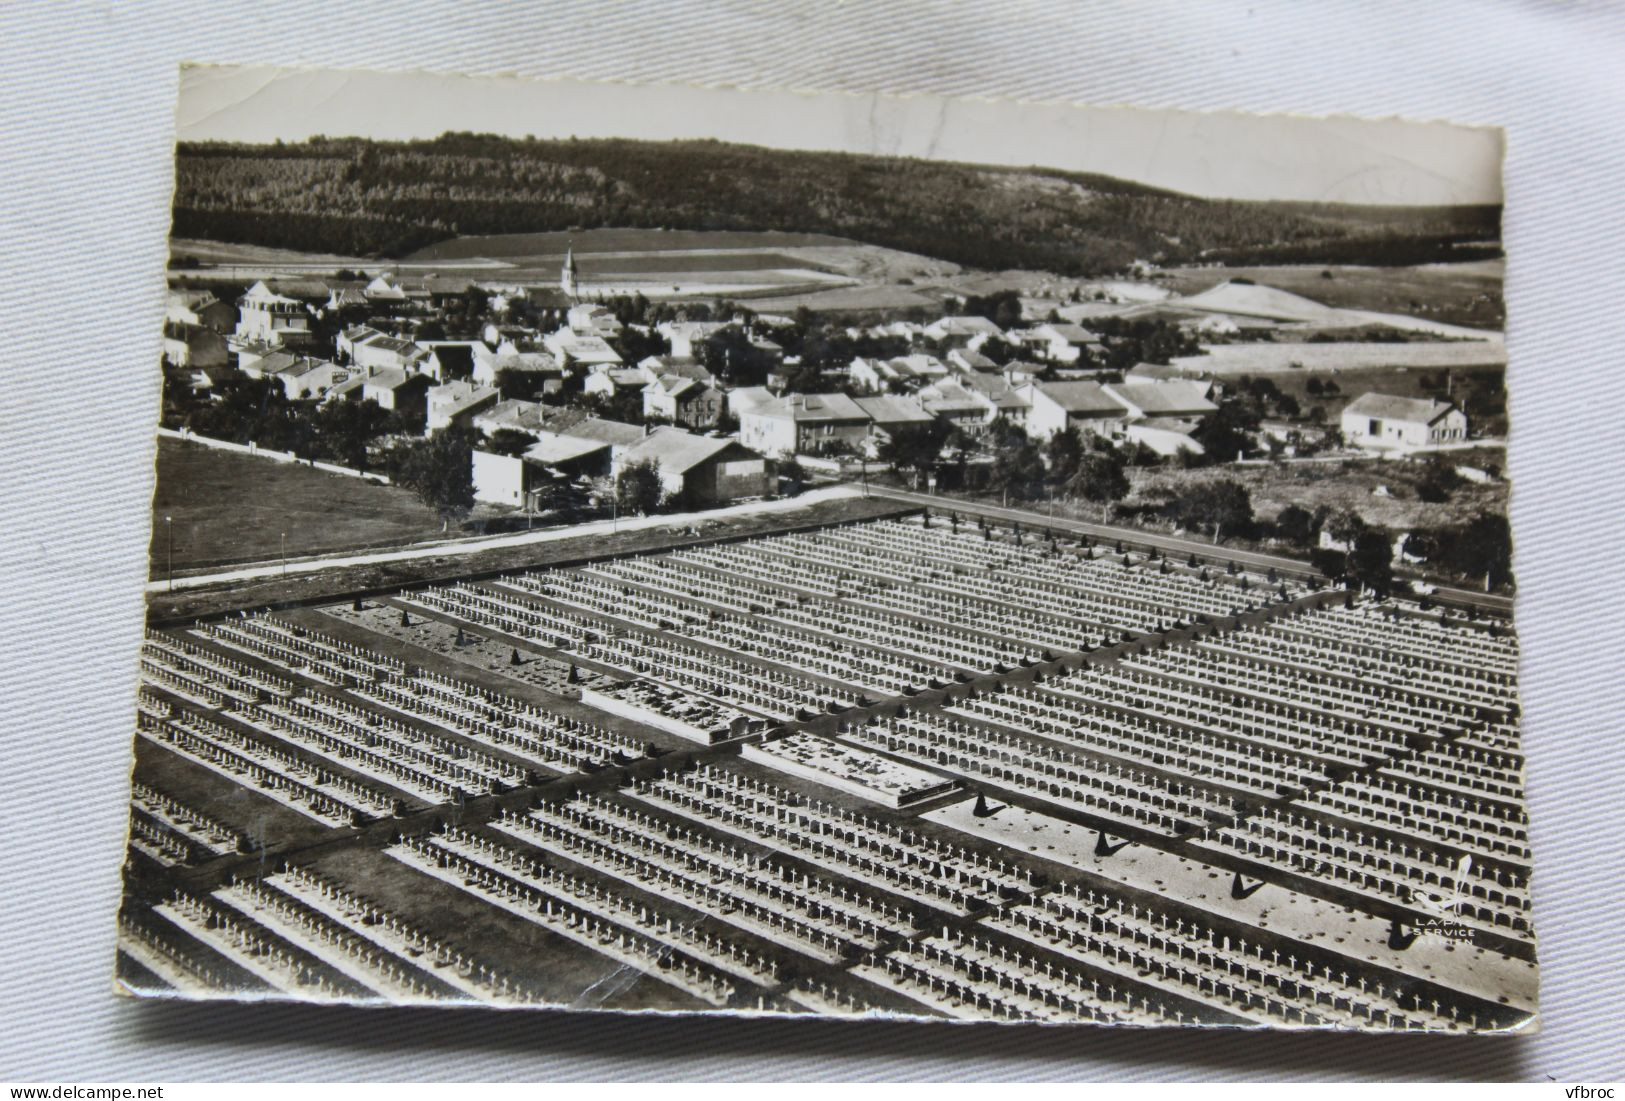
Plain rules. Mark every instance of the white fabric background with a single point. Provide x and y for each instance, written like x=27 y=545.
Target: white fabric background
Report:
x=86 y=96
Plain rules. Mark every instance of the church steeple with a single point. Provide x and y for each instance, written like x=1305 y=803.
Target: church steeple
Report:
x=567 y=279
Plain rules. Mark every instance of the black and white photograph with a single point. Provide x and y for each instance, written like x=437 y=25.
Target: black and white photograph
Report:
x=675 y=550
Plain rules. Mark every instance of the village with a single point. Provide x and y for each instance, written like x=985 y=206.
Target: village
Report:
x=576 y=399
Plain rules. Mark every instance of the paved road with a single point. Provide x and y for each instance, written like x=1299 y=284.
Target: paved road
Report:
x=1488 y=602
x=453 y=548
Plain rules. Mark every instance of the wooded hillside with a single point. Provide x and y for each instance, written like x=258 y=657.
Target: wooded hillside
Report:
x=382 y=199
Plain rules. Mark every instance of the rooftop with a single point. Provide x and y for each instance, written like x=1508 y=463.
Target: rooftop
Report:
x=1170 y=397
x=1087 y=398
x=892 y=409
x=676 y=451
x=1390 y=407
x=812 y=407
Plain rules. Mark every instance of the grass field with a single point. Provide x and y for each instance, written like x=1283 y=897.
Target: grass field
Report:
x=226 y=507
x=1339 y=486
x=1400 y=381
x=189 y=603
x=532 y=246
x=1458 y=294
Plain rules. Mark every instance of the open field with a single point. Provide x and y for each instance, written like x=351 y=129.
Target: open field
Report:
x=1338 y=485
x=1269 y=359
x=228 y=507
x=333 y=582
x=1460 y=294
x=588 y=242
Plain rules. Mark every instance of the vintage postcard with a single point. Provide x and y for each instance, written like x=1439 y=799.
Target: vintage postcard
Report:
x=680 y=550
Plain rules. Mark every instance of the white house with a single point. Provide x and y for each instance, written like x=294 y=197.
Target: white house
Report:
x=264 y=315
x=967 y=331
x=570 y=348
x=1056 y=406
x=1386 y=422
x=875 y=375
x=702 y=470
x=890 y=412
x=369 y=348
x=685 y=335
x=308 y=378
x=511 y=415
x=589 y=320
x=805 y=424
x=608 y=381
x=683 y=401
x=541 y=370
x=1055 y=341
x=458 y=401
x=1185 y=398
x=957 y=405
x=199 y=308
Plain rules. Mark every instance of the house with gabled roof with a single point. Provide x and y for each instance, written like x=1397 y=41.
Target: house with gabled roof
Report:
x=308 y=379
x=683 y=401
x=662 y=366
x=454 y=403
x=450 y=360
x=511 y=415
x=962 y=331
x=403 y=392
x=579 y=424
x=701 y=471
x=538 y=372
x=1056 y=341
x=587 y=319
x=1178 y=398
x=875 y=374
x=685 y=336
x=199 y=308
x=890 y=413
x=572 y=350
x=1385 y=422
x=608 y=382
x=1059 y=406
x=803 y=424
x=187 y=345
x=970 y=361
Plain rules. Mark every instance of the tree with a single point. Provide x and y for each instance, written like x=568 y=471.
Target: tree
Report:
x=1295 y=524
x=1331 y=564
x=510 y=442
x=1345 y=526
x=792 y=477
x=1227 y=433
x=914 y=448
x=1017 y=471
x=1221 y=506
x=1099 y=478
x=1437 y=483
x=1483 y=547
x=1371 y=561
x=1062 y=453
x=638 y=488
x=440 y=470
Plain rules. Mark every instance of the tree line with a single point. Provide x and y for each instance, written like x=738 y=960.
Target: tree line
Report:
x=387 y=199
